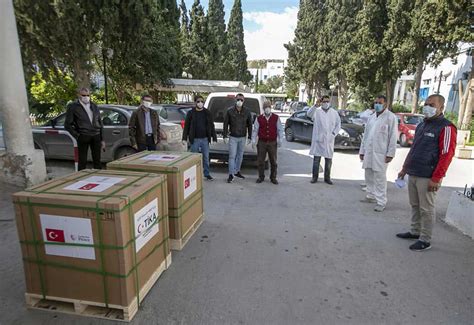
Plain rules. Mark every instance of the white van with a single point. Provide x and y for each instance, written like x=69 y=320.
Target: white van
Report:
x=218 y=104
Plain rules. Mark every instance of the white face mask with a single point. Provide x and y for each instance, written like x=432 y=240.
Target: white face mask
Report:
x=325 y=105
x=429 y=111
x=85 y=99
x=267 y=110
x=239 y=103
x=147 y=104
x=200 y=105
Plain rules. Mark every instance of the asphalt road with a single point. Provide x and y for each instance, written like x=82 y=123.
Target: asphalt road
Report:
x=296 y=253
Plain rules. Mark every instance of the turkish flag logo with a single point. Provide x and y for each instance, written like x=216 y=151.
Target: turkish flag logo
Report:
x=55 y=235
x=88 y=187
x=187 y=183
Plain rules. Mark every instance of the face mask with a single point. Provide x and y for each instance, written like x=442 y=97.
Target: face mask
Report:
x=200 y=105
x=325 y=105
x=429 y=111
x=267 y=111
x=239 y=103
x=85 y=99
x=378 y=107
x=147 y=104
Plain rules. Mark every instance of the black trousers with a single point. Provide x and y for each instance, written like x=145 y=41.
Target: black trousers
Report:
x=83 y=143
x=262 y=149
x=327 y=167
x=149 y=145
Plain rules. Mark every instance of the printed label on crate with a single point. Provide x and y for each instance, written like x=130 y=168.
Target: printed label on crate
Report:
x=190 y=181
x=160 y=157
x=67 y=230
x=95 y=184
x=146 y=224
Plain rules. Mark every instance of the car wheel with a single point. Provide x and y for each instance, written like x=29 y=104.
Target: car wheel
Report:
x=403 y=140
x=290 y=137
x=124 y=152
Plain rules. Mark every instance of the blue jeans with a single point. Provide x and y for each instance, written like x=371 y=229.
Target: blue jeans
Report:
x=202 y=145
x=236 y=154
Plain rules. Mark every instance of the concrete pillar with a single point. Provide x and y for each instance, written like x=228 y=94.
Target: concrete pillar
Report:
x=396 y=96
x=20 y=163
x=402 y=92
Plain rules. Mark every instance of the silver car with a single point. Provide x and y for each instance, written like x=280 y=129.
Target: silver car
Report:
x=115 y=133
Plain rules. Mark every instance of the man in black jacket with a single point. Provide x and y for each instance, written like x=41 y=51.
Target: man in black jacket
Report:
x=84 y=123
x=239 y=120
x=199 y=129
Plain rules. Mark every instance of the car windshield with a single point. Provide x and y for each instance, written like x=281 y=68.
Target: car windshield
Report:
x=219 y=105
x=412 y=119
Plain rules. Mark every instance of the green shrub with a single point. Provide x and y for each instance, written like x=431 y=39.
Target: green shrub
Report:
x=399 y=108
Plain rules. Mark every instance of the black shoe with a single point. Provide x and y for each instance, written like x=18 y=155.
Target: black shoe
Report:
x=328 y=181
x=230 y=179
x=314 y=180
x=420 y=246
x=407 y=235
x=239 y=175
x=209 y=178
x=274 y=181
x=259 y=180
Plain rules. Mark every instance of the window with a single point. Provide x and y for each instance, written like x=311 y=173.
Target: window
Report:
x=111 y=117
x=59 y=122
x=426 y=82
x=219 y=105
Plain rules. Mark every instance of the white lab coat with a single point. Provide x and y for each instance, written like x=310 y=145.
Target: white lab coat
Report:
x=326 y=125
x=379 y=141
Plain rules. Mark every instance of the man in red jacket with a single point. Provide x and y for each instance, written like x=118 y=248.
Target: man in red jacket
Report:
x=267 y=127
x=426 y=164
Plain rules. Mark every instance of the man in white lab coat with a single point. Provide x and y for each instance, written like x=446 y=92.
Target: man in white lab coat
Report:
x=326 y=125
x=377 y=150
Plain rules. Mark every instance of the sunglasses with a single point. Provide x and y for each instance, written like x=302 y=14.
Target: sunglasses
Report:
x=240 y=100
x=200 y=101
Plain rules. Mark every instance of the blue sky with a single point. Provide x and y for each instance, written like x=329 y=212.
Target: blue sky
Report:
x=268 y=24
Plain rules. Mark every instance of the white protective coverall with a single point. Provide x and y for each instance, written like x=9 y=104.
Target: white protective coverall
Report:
x=379 y=142
x=326 y=125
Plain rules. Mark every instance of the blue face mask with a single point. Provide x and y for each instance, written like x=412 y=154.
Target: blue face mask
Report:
x=378 y=107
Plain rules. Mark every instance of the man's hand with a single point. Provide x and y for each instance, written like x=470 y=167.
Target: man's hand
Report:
x=279 y=144
x=388 y=159
x=249 y=141
x=402 y=174
x=361 y=157
x=225 y=140
x=102 y=145
x=433 y=186
x=184 y=143
x=135 y=147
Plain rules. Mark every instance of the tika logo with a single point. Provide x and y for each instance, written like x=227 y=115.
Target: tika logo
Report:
x=168 y=157
x=147 y=223
x=55 y=235
x=88 y=187
x=187 y=183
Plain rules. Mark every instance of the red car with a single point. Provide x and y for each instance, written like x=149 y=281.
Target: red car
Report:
x=407 y=123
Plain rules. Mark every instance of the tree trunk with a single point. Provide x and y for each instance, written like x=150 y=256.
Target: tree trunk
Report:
x=462 y=101
x=343 y=92
x=389 y=90
x=466 y=122
x=81 y=75
x=416 y=92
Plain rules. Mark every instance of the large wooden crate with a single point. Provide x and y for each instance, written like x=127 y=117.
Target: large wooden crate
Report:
x=185 y=202
x=94 y=242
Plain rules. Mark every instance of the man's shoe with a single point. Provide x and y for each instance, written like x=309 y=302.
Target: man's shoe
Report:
x=368 y=200
x=239 y=175
x=259 y=180
x=230 y=179
x=314 y=180
x=379 y=208
x=274 y=181
x=420 y=246
x=209 y=178
x=328 y=181
x=408 y=235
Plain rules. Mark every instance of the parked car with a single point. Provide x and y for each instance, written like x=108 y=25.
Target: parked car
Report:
x=407 y=123
x=297 y=106
x=116 y=136
x=300 y=127
x=217 y=104
x=278 y=105
x=173 y=113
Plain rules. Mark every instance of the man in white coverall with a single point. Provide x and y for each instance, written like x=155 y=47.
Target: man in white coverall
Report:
x=377 y=150
x=326 y=125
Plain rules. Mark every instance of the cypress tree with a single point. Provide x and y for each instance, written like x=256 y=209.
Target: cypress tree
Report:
x=184 y=35
x=198 y=39
x=217 y=43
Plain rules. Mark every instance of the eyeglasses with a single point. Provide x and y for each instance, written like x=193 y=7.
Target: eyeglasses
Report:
x=240 y=100
x=200 y=101
x=85 y=95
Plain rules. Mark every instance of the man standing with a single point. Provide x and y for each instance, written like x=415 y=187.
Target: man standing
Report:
x=326 y=125
x=239 y=120
x=84 y=123
x=199 y=129
x=426 y=164
x=268 y=129
x=377 y=150
x=144 y=126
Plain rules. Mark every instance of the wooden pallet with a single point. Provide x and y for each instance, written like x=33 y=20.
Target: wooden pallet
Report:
x=178 y=244
x=95 y=309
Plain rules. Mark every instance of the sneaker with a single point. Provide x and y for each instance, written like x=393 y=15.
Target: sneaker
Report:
x=328 y=181
x=209 y=178
x=368 y=200
x=407 y=235
x=274 y=181
x=259 y=180
x=379 y=208
x=239 y=175
x=314 y=180
x=420 y=246
x=230 y=179
x=364 y=189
